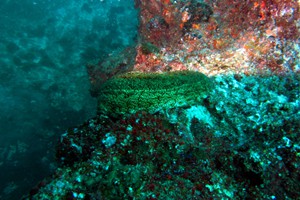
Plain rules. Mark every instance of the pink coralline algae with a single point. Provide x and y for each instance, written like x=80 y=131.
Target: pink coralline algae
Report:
x=213 y=37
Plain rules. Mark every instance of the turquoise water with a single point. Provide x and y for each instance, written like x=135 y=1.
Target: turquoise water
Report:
x=44 y=47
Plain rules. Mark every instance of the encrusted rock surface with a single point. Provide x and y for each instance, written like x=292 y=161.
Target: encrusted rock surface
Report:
x=241 y=141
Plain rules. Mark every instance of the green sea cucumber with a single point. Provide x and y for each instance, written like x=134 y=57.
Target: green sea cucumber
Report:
x=152 y=92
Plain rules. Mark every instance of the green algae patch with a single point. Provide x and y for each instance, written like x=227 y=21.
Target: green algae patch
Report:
x=152 y=92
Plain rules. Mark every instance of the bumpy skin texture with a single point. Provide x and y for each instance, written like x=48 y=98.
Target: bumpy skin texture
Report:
x=131 y=92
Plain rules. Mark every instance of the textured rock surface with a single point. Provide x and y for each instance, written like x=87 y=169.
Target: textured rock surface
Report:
x=242 y=141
